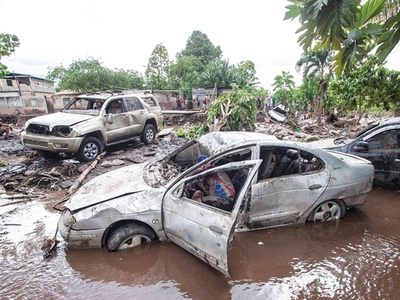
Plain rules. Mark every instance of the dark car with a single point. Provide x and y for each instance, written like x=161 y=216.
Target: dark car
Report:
x=380 y=144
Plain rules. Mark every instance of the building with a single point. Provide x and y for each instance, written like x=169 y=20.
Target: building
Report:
x=22 y=94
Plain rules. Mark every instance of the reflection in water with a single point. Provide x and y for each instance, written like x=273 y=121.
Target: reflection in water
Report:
x=355 y=258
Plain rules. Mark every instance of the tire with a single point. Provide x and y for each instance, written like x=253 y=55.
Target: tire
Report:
x=149 y=134
x=128 y=236
x=328 y=211
x=89 y=149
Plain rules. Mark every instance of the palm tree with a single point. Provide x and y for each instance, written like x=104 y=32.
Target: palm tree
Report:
x=317 y=63
x=283 y=87
x=350 y=27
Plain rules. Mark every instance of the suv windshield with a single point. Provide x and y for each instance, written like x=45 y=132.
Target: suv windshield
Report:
x=84 y=106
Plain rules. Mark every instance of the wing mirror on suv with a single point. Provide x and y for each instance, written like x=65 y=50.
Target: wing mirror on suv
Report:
x=110 y=118
x=361 y=147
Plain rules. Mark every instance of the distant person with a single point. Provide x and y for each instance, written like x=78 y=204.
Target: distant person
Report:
x=179 y=103
x=258 y=101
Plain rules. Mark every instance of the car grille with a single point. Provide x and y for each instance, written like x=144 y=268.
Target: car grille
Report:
x=38 y=129
x=35 y=142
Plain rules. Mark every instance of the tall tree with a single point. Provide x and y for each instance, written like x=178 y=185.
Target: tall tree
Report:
x=8 y=43
x=307 y=92
x=184 y=74
x=244 y=74
x=283 y=88
x=349 y=27
x=90 y=75
x=317 y=63
x=218 y=73
x=157 y=68
x=199 y=45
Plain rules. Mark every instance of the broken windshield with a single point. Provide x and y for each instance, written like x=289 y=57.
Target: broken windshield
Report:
x=84 y=107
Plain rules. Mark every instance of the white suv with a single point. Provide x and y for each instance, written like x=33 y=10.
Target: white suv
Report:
x=91 y=122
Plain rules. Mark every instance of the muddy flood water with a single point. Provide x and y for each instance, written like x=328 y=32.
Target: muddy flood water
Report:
x=354 y=258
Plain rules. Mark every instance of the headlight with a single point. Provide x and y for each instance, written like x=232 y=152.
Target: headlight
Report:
x=62 y=131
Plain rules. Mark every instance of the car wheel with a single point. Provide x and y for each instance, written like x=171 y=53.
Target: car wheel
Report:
x=328 y=211
x=129 y=236
x=149 y=134
x=89 y=149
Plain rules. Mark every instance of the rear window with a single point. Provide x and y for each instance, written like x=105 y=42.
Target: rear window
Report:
x=150 y=101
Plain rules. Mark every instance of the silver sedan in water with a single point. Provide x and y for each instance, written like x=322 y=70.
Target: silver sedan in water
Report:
x=264 y=182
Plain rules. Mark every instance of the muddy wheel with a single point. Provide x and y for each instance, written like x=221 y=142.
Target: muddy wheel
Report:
x=129 y=236
x=328 y=211
x=89 y=149
x=149 y=134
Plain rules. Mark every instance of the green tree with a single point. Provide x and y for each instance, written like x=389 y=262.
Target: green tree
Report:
x=218 y=73
x=157 y=70
x=90 y=75
x=235 y=110
x=283 y=88
x=199 y=45
x=349 y=27
x=317 y=63
x=244 y=74
x=8 y=43
x=370 y=85
x=184 y=74
x=307 y=92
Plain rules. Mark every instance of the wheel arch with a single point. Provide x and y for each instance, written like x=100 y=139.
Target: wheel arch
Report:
x=98 y=135
x=110 y=229
x=153 y=122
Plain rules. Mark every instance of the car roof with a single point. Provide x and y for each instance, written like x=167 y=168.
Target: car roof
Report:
x=106 y=95
x=378 y=124
x=224 y=139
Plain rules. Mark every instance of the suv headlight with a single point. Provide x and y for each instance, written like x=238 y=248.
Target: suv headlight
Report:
x=62 y=131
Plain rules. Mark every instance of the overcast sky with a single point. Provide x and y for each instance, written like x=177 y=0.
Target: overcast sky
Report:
x=123 y=33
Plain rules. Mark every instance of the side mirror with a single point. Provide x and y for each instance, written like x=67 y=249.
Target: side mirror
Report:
x=110 y=118
x=361 y=147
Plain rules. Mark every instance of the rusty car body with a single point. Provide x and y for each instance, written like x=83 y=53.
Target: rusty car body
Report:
x=91 y=122
x=277 y=183
x=378 y=143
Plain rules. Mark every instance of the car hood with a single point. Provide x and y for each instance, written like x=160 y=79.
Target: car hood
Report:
x=108 y=186
x=59 y=118
x=335 y=144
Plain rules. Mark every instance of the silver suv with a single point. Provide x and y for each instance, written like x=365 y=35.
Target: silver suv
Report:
x=91 y=122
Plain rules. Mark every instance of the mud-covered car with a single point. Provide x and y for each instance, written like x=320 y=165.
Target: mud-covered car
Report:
x=275 y=183
x=91 y=122
x=380 y=144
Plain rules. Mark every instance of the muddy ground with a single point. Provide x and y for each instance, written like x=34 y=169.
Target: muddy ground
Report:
x=25 y=171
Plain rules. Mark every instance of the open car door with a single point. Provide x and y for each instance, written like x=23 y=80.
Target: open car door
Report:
x=204 y=230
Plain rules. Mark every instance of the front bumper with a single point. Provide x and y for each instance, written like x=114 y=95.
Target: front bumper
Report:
x=78 y=238
x=51 y=143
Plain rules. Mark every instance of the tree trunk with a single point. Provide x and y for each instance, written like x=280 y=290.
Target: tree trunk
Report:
x=221 y=121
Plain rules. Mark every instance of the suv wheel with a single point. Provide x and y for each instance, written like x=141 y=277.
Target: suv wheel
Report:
x=89 y=149
x=149 y=134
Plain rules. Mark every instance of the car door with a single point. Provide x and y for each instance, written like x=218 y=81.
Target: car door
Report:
x=382 y=148
x=118 y=121
x=283 y=199
x=201 y=229
x=136 y=113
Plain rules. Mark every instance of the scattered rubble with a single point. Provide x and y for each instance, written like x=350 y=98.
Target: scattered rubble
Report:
x=24 y=171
